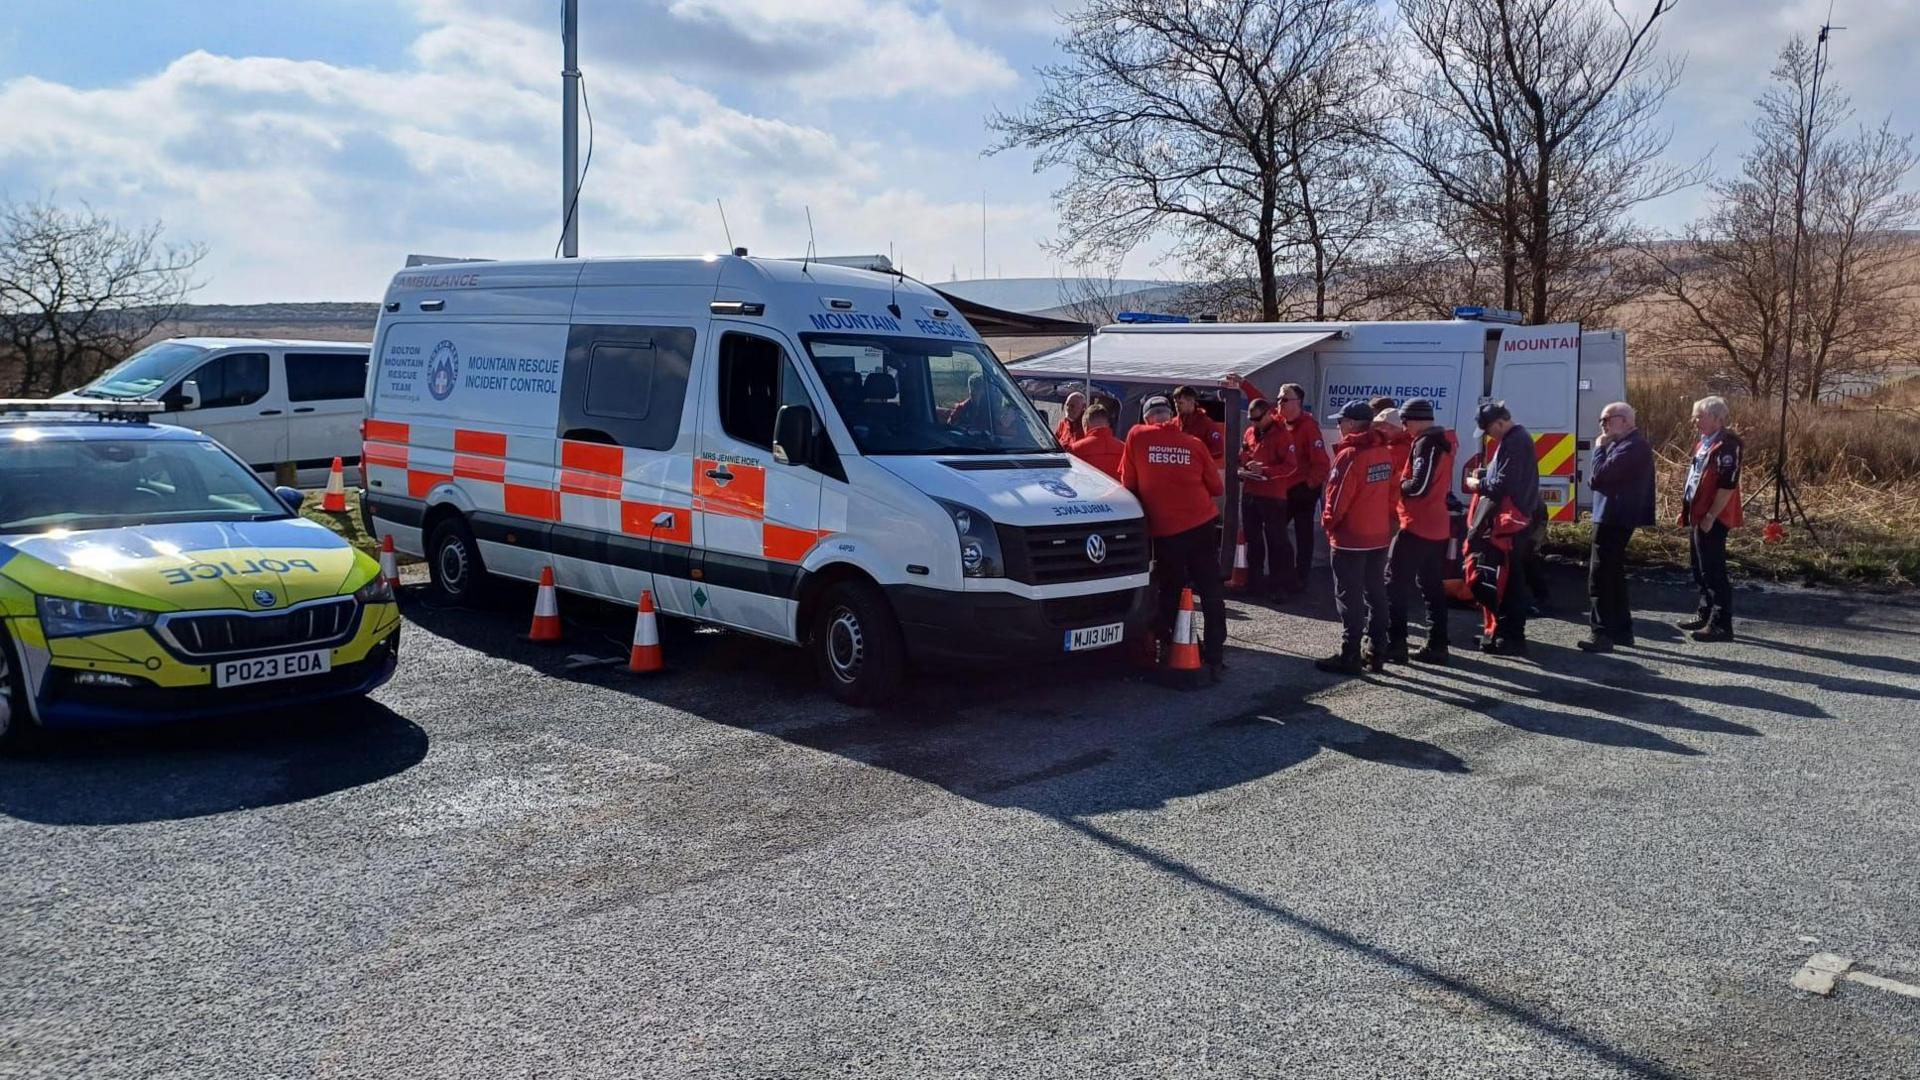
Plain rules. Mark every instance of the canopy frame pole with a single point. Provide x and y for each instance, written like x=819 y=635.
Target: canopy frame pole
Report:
x=1230 y=536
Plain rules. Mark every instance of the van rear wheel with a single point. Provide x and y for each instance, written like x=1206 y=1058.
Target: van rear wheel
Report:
x=857 y=646
x=454 y=565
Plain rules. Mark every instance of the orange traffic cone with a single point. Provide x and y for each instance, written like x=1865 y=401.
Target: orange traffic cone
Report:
x=389 y=566
x=646 y=638
x=335 y=500
x=546 y=610
x=1185 y=654
x=1239 y=579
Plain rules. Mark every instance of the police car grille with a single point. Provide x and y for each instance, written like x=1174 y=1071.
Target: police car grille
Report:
x=1050 y=554
x=312 y=626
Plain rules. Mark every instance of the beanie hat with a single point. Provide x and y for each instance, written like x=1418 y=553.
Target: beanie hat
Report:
x=1417 y=409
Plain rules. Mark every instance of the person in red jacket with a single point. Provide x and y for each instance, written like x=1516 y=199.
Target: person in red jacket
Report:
x=1418 y=555
x=1358 y=519
x=1710 y=507
x=1310 y=450
x=1098 y=447
x=1195 y=422
x=1071 y=428
x=1269 y=462
x=1175 y=479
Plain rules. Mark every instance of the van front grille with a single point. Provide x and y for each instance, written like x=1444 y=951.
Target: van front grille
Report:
x=1051 y=554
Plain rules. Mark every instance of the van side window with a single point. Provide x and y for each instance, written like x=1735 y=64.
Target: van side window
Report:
x=756 y=379
x=225 y=382
x=326 y=376
x=626 y=385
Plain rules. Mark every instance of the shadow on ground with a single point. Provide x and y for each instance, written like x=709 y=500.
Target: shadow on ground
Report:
x=190 y=770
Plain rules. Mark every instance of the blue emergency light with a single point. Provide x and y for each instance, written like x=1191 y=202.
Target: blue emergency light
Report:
x=1149 y=317
x=1482 y=313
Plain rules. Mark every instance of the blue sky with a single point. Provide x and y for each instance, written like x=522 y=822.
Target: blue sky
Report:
x=312 y=144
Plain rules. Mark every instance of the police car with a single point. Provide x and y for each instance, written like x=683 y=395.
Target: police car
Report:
x=147 y=575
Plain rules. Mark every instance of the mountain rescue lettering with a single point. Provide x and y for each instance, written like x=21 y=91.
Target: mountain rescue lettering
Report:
x=1169 y=455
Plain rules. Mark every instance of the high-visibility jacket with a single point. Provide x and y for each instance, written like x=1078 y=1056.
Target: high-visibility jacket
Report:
x=1358 y=515
x=1275 y=452
x=1173 y=475
x=1715 y=468
x=1101 y=450
x=1425 y=480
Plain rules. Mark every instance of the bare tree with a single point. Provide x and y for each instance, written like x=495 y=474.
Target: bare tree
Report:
x=1093 y=299
x=1534 y=121
x=1230 y=124
x=1725 y=284
x=78 y=291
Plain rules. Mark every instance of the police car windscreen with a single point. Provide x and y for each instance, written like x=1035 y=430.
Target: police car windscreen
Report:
x=925 y=396
x=144 y=372
x=110 y=484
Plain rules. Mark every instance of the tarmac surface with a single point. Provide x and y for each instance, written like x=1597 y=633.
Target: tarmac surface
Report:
x=1567 y=866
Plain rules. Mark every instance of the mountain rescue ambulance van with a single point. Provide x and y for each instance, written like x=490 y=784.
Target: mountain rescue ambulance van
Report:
x=817 y=454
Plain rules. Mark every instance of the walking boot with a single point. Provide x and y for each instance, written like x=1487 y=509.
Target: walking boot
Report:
x=1340 y=663
x=1433 y=652
x=1698 y=622
x=1595 y=643
x=1376 y=660
x=1397 y=651
x=1713 y=633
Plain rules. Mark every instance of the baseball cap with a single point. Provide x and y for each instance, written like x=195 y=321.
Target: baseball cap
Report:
x=1417 y=409
x=1389 y=417
x=1357 y=411
x=1157 y=401
x=1490 y=412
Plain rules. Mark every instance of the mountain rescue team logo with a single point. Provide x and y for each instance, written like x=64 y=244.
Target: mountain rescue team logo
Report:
x=443 y=371
x=1059 y=487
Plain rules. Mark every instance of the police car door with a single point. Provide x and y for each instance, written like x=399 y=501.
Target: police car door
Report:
x=1536 y=371
x=757 y=518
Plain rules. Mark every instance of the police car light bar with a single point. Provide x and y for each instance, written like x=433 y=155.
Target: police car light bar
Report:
x=1481 y=313
x=125 y=409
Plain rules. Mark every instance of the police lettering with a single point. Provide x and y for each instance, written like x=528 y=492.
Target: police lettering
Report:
x=1169 y=455
x=209 y=571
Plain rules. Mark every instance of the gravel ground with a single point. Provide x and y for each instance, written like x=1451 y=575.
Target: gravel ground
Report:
x=1570 y=866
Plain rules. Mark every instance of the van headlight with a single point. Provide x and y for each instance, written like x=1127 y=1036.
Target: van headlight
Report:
x=64 y=617
x=979 y=542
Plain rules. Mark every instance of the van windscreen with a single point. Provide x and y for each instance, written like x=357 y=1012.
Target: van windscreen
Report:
x=925 y=396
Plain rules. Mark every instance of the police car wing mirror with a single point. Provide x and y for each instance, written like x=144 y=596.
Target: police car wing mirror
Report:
x=292 y=497
x=793 y=434
x=190 y=394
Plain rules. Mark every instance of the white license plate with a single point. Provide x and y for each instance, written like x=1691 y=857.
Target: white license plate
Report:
x=269 y=668
x=1095 y=637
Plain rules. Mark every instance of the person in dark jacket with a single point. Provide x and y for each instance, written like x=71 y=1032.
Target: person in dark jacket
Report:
x=1622 y=502
x=1511 y=478
x=1418 y=555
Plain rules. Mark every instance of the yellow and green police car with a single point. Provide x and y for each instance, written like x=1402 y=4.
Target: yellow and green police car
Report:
x=146 y=575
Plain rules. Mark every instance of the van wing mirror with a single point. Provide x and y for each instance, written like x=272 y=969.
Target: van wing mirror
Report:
x=793 y=435
x=190 y=394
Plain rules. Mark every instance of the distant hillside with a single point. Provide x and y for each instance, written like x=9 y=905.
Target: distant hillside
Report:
x=321 y=321
x=1037 y=294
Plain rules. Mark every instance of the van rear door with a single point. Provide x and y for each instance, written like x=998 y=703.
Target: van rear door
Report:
x=1536 y=372
x=1603 y=381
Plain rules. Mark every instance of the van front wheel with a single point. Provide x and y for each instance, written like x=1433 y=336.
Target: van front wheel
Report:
x=856 y=645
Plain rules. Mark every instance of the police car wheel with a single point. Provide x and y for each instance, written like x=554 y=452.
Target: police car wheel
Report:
x=454 y=565
x=856 y=645
x=16 y=726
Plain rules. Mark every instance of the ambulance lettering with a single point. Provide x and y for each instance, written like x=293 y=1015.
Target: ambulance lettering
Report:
x=209 y=571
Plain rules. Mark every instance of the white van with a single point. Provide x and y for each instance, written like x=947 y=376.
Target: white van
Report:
x=1555 y=378
x=270 y=401
x=817 y=454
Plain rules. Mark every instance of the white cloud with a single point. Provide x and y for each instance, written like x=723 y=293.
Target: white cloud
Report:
x=310 y=180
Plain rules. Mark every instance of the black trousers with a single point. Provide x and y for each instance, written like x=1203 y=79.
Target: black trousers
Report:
x=1607 y=609
x=1710 y=575
x=1510 y=621
x=1360 y=596
x=1416 y=563
x=1303 y=510
x=1269 y=550
x=1191 y=560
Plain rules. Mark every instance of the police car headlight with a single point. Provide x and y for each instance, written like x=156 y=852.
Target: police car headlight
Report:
x=979 y=542
x=64 y=617
x=377 y=591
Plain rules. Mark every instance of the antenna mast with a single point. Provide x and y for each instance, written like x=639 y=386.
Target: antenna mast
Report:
x=569 y=127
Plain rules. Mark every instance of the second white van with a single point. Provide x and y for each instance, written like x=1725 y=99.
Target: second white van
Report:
x=817 y=454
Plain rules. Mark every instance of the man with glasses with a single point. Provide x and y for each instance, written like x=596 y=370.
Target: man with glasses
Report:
x=1623 y=488
x=1311 y=466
